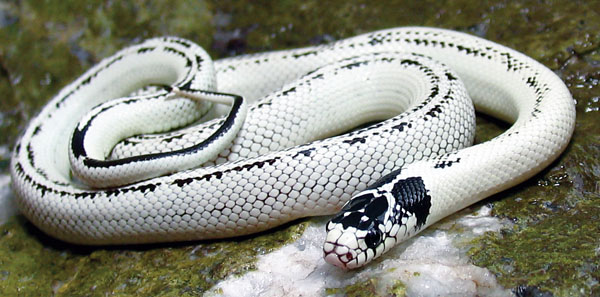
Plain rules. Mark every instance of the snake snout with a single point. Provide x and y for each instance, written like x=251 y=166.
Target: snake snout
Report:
x=340 y=249
x=340 y=256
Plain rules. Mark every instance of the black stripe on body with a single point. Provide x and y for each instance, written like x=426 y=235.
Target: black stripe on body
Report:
x=79 y=150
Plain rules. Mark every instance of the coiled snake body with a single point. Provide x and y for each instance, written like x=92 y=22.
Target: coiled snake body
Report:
x=273 y=167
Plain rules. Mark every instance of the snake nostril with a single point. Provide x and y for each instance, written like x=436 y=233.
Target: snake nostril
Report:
x=349 y=256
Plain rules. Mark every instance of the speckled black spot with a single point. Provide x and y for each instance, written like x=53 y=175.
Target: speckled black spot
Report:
x=450 y=76
x=446 y=163
x=145 y=50
x=307 y=152
x=356 y=140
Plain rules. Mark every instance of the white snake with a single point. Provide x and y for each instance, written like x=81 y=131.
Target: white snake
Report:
x=269 y=172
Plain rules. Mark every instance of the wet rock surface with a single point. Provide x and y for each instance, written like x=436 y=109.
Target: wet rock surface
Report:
x=550 y=249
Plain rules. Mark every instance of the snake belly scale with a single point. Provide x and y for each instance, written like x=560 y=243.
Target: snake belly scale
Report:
x=405 y=173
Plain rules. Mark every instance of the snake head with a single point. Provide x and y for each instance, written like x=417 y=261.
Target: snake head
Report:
x=358 y=234
x=371 y=223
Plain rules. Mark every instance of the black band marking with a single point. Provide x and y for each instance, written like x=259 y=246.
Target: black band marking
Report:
x=413 y=199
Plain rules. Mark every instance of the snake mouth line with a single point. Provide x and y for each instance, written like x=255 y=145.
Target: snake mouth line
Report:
x=338 y=259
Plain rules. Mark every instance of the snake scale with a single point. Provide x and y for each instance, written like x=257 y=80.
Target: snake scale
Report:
x=282 y=157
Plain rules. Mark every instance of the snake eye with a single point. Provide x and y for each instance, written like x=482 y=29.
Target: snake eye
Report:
x=373 y=238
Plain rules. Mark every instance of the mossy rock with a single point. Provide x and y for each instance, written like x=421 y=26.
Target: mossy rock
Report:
x=551 y=249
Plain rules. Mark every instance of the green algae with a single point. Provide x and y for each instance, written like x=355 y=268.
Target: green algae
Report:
x=364 y=288
x=369 y=288
x=556 y=254
x=553 y=244
x=32 y=264
x=398 y=289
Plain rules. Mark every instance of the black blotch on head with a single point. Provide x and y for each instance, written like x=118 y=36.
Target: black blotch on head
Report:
x=350 y=220
x=377 y=208
x=363 y=211
x=358 y=202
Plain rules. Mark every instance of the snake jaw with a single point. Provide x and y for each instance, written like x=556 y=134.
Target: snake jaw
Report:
x=340 y=249
x=346 y=247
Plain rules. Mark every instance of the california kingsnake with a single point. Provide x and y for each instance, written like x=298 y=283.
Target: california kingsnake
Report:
x=276 y=168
